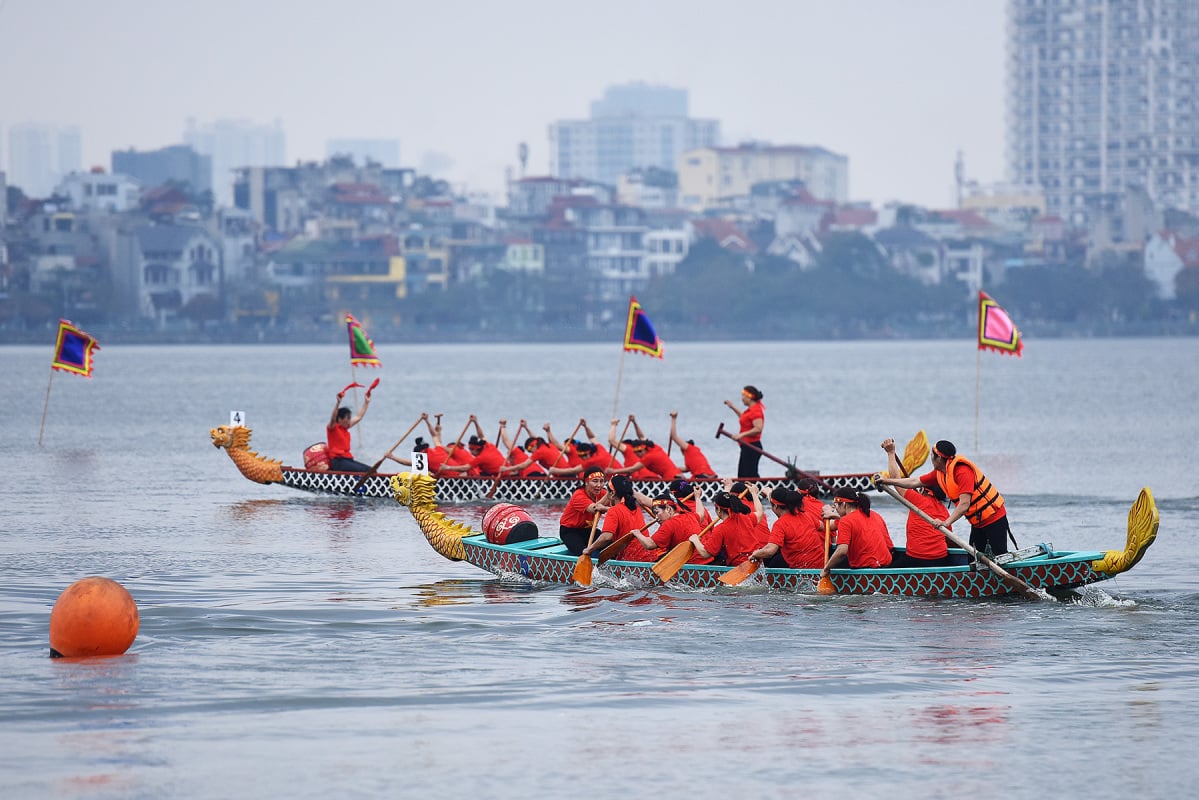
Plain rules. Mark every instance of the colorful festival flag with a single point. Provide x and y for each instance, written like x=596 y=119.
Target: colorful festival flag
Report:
x=639 y=332
x=73 y=350
x=996 y=331
x=362 y=349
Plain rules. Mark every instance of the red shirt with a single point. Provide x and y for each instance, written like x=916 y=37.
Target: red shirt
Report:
x=656 y=460
x=643 y=474
x=575 y=515
x=546 y=455
x=457 y=456
x=675 y=531
x=741 y=535
x=487 y=462
x=619 y=520
x=799 y=542
x=338 y=439
x=868 y=539
x=695 y=461
x=437 y=456
x=924 y=540
x=756 y=411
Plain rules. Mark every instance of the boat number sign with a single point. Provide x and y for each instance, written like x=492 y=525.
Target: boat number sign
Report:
x=420 y=462
x=237 y=419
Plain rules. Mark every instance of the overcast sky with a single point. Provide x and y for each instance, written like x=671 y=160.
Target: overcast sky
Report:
x=899 y=86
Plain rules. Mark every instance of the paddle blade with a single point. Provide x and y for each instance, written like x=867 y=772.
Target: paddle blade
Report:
x=916 y=453
x=616 y=548
x=669 y=565
x=825 y=586
x=582 y=573
x=740 y=572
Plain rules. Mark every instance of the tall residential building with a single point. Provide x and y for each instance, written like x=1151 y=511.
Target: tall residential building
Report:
x=234 y=144
x=179 y=163
x=1101 y=98
x=632 y=126
x=39 y=156
x=384 y=152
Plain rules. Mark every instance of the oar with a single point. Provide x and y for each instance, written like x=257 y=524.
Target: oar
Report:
x=457 y=444
x=515 y=443
x=825 y=584
x=616 y=448
x=669 y=565
x=915 y=454
x=1013 y=583
x=791 y=468
x=615 y=549
x=562 y=452
x=740 y=572
x=582 y=573
x=377 y=464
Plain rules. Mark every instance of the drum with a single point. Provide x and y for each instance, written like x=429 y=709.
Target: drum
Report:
x=316 y=457
x=506 y=523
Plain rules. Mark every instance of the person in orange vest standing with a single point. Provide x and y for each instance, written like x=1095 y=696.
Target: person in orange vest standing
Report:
x=973 y=495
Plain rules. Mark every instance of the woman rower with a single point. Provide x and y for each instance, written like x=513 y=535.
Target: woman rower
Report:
x=863 y=541
x=794 y=541
x=736 y=532
x=925 y=544
x=582 y=510
x=752 y=420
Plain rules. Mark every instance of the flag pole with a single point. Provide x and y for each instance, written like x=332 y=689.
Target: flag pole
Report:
x=619 y=375
x=45 y=407
x=978 y=359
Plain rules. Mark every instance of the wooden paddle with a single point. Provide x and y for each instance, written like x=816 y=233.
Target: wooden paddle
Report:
x=792 y=470
x=740 y=572
x=616 y=548
x=562 y=452
x=582 y=573
x=1015 y=584
x=825 y=585
x=915 y=454
x=515 y=444
x=616 y=447
x=669 y=565
x=377 y=464
x=457 y=443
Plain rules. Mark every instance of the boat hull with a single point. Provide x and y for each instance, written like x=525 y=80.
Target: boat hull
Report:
x=545 y=561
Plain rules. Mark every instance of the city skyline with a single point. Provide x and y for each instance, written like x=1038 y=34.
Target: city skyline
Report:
x=899 y=90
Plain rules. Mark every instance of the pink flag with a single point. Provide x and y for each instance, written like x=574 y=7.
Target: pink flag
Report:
x=996 y=331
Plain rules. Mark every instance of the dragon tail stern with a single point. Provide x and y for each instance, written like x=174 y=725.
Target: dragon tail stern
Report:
x=1143 y=521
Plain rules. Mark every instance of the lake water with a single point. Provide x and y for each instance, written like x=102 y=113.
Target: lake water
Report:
x=304 y=646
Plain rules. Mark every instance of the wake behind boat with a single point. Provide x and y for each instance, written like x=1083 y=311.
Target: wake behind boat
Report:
x=545 y=559
x=451 y=490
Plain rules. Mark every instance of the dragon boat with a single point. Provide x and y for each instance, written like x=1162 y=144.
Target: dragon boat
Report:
x=544 y=559
x=236 y=442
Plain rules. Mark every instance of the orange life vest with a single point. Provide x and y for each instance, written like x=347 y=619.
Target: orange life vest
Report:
x=985 y=500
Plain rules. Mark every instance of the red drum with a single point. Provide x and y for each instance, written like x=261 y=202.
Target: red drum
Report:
x=316 y=457
x=506 y=523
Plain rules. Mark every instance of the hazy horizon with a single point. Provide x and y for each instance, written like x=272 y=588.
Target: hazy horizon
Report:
x=898 y=88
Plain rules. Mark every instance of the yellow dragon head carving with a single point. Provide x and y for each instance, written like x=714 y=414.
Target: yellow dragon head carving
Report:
x=236 y=441
x=418 y=492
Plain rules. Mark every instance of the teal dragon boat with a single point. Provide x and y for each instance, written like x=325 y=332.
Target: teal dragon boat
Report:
x=544 y=559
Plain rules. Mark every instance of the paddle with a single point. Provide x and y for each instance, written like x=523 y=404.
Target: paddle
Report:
x=740 y=572
x=792 y=470
x=377 y=464
x=1013 y=583
x=615 y=549
x=825 y=584
x=562 y=452
x=582 y=573
x=616 y=447
x=515 y=444
x=669 y=565
x=457 y=443
x=915 y=454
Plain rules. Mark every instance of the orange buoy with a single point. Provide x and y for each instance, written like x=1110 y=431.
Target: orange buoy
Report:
x=94 y=617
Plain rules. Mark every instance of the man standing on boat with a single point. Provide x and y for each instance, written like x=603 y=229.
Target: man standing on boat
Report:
x=337 y=433
x=975 y=497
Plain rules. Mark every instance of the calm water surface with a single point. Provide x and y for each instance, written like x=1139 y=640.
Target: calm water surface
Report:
x=317 y=647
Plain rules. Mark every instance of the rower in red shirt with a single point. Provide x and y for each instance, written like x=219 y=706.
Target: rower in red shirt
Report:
x=737 y=533
x=694 y=460
x=863 y=541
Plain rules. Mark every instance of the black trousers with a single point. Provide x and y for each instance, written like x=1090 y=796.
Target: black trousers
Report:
x=575 y=539
x=747 y=465
x=348 y=465
x=991 y=539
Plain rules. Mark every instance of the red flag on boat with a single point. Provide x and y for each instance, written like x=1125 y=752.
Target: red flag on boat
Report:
x=996 y=331
x=73 y=350
x=639 y=334
x=362 y=349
